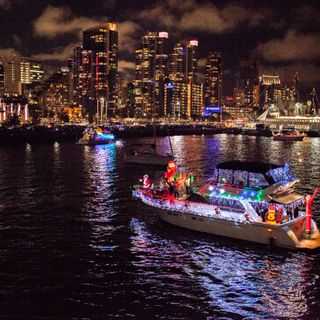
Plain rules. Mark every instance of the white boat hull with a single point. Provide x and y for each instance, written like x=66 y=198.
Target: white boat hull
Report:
x=277 y=235
x=229 y=224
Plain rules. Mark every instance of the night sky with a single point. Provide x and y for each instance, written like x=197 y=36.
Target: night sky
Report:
x=283 y=35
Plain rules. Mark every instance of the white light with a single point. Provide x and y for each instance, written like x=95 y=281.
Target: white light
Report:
x=163 y=34
x=194 y=42
x=211 y=188
x=222 y=191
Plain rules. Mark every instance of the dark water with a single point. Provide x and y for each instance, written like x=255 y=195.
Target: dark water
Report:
x=75 y=245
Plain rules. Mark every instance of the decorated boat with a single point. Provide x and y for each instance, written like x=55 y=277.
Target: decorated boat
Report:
x=288 y=134
x=249 y=201
x=95 y=136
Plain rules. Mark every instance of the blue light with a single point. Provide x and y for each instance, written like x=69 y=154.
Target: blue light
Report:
x=169 y=85
x=106 y=136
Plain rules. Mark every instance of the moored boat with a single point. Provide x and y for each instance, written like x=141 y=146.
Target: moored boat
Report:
x=288 y=134
x=95 y=136
x=247 y=201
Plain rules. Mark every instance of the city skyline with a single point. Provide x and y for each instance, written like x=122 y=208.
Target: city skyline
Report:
x=282 y=37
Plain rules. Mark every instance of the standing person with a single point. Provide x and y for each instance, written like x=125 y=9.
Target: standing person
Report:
x=175 y=188
x=309 y=200
x=279 y=215
x=188 y=183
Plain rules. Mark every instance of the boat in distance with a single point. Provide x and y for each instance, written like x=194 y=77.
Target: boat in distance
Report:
x=244 y=200
x=288 y=134
x=95 y=136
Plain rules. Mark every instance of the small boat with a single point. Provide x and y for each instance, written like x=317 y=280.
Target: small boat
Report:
x=151 y=159
x=288 y=134
x=244 y=200
x=94 y=136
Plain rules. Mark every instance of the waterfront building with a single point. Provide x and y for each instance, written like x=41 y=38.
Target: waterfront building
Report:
x=248 y=83
x=96 y=70
x=270 y=91
x=151 y=73
x=213 y=79
x=57 y=92
x=31 y=71
x=183 y=100
x=2 y=77
x=12 y=75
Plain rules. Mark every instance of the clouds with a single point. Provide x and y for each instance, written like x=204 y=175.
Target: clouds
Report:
x=58 y=54
x=8 y=53
x=128 y=32
x=56 y=21
x=5 y=4
x=124 y=65
x=189 y=15
x=293 y=47
x=59 y=21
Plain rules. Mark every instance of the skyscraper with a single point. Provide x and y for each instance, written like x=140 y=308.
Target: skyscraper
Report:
x=192 y=61
x=270 y=91
x=97 y=65
x=31 y=71
x=248 y=80
x=184 y=62
x=151 y=71
x=213 y=79
x=1 y=79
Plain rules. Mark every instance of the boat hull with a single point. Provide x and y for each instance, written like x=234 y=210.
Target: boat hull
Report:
x=286 y=235
x=203 y=218
x=92 y=142
x=284 y=138
x=148 y=159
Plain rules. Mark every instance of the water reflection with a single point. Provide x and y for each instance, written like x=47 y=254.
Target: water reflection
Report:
x=100 y=208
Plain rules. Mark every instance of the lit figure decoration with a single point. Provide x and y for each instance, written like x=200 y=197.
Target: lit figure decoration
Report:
x=271 y=215
x=146 y=183
x=309 y=200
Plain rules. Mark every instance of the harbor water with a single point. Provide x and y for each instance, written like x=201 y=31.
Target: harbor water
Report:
x=74 y=244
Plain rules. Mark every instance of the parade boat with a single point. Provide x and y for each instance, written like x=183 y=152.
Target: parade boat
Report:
x=288 y=134
x=94 y=136
x=244 y=200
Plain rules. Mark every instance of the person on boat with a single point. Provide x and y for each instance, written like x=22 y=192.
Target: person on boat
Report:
x=188 y=183
x=309 y=200
x=271 y=215
x=279 y=215
x=175 y=185
x=146 y=183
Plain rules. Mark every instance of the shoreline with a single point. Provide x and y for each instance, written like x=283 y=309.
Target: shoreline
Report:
x=72 y=133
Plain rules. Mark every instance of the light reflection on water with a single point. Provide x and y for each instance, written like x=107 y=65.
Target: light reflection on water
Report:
x=75 y=244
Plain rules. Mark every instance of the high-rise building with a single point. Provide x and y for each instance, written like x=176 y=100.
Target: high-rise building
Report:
x=12 y=82
x=248 y=79
x=192 y=61
x=1 y=79
x=213 y=79
x=96 y=65
x=151 y=72
x=183 y=100
x=31 y=71
x=177 y=65
x=184 y=62
x=270 y=91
